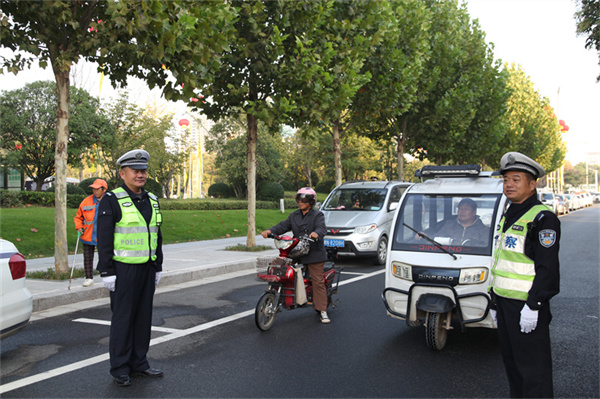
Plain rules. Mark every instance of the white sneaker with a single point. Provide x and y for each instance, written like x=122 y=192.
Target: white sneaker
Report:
x=88 y=282
x=325 y=318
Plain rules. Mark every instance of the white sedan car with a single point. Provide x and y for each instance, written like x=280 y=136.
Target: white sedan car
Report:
x=16 y=302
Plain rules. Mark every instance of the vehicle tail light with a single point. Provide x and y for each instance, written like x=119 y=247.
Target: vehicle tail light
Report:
x=17 y=266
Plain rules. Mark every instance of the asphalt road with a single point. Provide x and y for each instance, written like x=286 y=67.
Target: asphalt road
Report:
x=208 y=345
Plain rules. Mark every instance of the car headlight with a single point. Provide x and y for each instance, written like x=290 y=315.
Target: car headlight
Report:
x=365 y=229
x=473 y=276
x=402 y=270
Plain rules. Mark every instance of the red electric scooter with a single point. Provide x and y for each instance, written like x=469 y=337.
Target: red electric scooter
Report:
x=290 y=286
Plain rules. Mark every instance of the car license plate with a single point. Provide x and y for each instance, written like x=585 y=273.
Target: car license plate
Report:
x=329 y=242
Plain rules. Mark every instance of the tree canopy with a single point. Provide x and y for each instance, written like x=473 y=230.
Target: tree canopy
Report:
x=125 y=38
x=588 y=23
x=28 y=127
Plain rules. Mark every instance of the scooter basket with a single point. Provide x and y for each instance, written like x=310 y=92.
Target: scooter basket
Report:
x=270 y=265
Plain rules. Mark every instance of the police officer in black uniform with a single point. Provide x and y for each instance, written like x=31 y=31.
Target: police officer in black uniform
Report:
x=130 y=264
x=525 y=275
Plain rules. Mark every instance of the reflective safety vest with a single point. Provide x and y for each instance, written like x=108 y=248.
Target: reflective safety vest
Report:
x=135 y=241
x=513 y=272
x=86 y=219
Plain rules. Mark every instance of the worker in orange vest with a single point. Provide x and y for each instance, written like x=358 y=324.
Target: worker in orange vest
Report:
x=85 y=223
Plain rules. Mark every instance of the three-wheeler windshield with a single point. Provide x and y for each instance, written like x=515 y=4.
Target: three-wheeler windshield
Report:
x=458 y=223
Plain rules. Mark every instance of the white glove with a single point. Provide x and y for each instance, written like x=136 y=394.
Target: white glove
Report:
x=157 y=278
x=110 y=282
x=494 y=316
x=529 y=319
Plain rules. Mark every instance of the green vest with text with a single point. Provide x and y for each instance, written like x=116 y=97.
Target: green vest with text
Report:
x=513 y=272
x=135 y=241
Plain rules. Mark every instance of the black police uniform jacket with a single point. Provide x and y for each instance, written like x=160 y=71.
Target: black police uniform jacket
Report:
x=109 y=213
x=546 y=283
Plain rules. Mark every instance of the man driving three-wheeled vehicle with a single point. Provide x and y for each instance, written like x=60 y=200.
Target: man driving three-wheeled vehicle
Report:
x=440 y=255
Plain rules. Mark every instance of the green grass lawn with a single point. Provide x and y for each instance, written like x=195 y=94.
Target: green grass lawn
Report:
x=31 y=229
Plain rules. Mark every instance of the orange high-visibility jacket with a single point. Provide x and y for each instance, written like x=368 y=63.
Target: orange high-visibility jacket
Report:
x=86 y=219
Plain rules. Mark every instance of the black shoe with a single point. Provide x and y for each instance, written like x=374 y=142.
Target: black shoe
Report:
x=148 y=373
x=123 y=381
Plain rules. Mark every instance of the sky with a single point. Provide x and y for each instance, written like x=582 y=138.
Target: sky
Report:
x=539 y=35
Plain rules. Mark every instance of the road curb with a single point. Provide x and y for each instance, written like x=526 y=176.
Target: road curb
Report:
x=79 y=294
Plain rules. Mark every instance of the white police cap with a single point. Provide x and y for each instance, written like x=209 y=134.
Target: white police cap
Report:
x=135 y=159
x=517 y=161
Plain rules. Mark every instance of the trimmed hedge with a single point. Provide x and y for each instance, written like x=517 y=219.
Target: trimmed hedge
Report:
x=216 y=204
x=9 y=198
x=71 y=189
x=220 y=190
x=287 y=186
x=270 y=192
x=325 y=187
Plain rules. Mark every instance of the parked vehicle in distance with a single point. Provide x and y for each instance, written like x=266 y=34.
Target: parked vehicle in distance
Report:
x=15 y=299
x=580 y=201
x=547 y=198
x=587 y=199
x=358 y=216
x=596 y=198
x=573 y=202
x=563 y=204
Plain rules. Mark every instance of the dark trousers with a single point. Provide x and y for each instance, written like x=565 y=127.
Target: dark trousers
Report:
x=131 y=323
x=527 y=357
x=88 y=260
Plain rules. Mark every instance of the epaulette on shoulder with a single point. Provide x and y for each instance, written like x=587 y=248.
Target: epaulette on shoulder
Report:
x=109 y=193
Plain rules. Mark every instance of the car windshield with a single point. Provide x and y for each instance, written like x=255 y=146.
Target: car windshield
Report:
x=355 y=199
x=547 y=196
x=443 y=218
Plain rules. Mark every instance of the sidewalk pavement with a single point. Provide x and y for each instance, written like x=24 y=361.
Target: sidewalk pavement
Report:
x=182 y=263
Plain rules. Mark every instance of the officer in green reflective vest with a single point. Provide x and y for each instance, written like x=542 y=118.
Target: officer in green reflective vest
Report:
x=130 y=264
x=525 y=275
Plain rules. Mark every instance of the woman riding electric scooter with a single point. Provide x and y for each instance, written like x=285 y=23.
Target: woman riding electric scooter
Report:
x=311 y=222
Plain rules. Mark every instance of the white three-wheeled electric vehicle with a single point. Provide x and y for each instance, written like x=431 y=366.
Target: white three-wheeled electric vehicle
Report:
x=431 y=277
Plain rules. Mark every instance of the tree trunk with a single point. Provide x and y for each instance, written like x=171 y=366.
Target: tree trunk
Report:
x=61 y=249
x=251 y=148
x=39 y=182
x=400 y=150
x=337 y=153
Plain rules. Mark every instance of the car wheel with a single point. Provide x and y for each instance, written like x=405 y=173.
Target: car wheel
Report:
x=381 y=251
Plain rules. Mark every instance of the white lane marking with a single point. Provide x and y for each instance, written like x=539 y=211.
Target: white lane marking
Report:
x=177 y=334
x=355 y=273
x=364 y=276
x=107 y=323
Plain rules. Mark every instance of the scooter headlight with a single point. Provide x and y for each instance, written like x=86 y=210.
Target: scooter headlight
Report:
x=402 y=270
x=473 y=276
x=365 y=229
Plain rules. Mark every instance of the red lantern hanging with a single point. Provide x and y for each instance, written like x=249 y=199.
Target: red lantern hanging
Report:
x=184 y=122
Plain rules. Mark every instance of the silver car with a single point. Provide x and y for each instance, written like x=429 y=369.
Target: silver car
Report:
x=15 y=299
x=358 y=216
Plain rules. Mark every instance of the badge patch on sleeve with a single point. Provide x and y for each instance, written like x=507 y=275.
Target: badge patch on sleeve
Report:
x=547 y=238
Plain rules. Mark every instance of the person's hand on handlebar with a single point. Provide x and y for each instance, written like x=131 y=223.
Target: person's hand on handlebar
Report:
x=265 y=233
x=314 y=236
